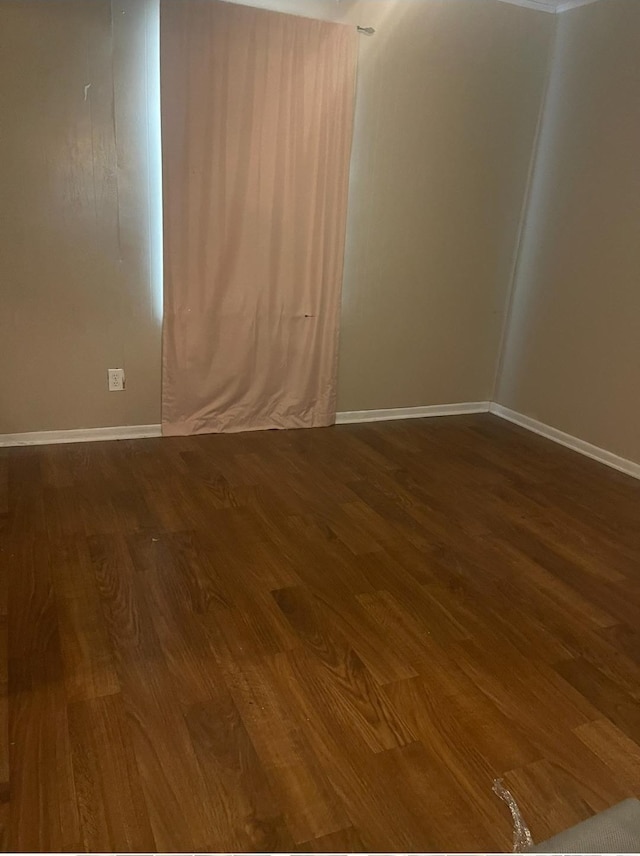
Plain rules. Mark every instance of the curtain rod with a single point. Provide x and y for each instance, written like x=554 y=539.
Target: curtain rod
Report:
x=368 y=31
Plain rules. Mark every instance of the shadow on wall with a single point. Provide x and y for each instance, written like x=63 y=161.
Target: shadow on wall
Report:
x=572 y=350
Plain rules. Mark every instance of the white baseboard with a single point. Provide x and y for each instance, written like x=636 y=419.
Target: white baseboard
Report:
x=132 y=432
x=80 y=435
x=581 y=446
x=352 y=416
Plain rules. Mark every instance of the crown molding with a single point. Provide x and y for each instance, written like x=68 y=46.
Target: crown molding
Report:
x=555 y=7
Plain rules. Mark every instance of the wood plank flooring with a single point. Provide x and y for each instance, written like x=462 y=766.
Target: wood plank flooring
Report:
x=318 y=640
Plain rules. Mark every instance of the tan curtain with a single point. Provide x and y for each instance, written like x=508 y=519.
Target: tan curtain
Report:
x=257 y=111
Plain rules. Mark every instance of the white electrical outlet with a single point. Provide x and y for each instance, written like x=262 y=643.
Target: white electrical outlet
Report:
x=116 y=380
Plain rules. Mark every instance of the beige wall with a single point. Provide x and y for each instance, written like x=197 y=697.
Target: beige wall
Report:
x=572 y=357
x=447 y=104
x=76 y=281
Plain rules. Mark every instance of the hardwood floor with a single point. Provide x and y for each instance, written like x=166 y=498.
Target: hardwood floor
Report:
x=318 y=640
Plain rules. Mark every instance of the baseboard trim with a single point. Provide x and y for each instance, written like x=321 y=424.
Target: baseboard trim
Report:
x=353 y=416
x=133 y=432
x=80 y=435
x=568 y=440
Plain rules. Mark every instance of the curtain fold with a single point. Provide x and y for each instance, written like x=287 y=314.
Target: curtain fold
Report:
x=257 y=114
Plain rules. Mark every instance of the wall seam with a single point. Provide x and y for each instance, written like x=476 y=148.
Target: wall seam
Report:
x=524 y=213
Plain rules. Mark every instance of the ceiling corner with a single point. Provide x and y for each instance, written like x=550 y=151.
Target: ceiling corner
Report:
x=538 y=5
x=566 y=5
x=555 y=7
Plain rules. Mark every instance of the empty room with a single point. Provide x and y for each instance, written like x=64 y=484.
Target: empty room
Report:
x=319 y=426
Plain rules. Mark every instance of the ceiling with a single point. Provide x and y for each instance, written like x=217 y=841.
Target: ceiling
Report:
x=553 y=6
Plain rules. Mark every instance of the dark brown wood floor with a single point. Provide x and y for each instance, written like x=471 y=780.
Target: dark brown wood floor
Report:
x=315 y=640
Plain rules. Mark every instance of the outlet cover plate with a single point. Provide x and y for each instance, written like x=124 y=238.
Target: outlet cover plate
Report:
x=116 y=380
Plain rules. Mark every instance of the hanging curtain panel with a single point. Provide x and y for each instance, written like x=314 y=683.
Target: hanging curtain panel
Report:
x=257 y=112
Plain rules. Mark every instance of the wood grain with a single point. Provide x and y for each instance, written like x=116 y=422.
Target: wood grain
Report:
x=325 y=640
x=246 y=807
x=111 y=804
